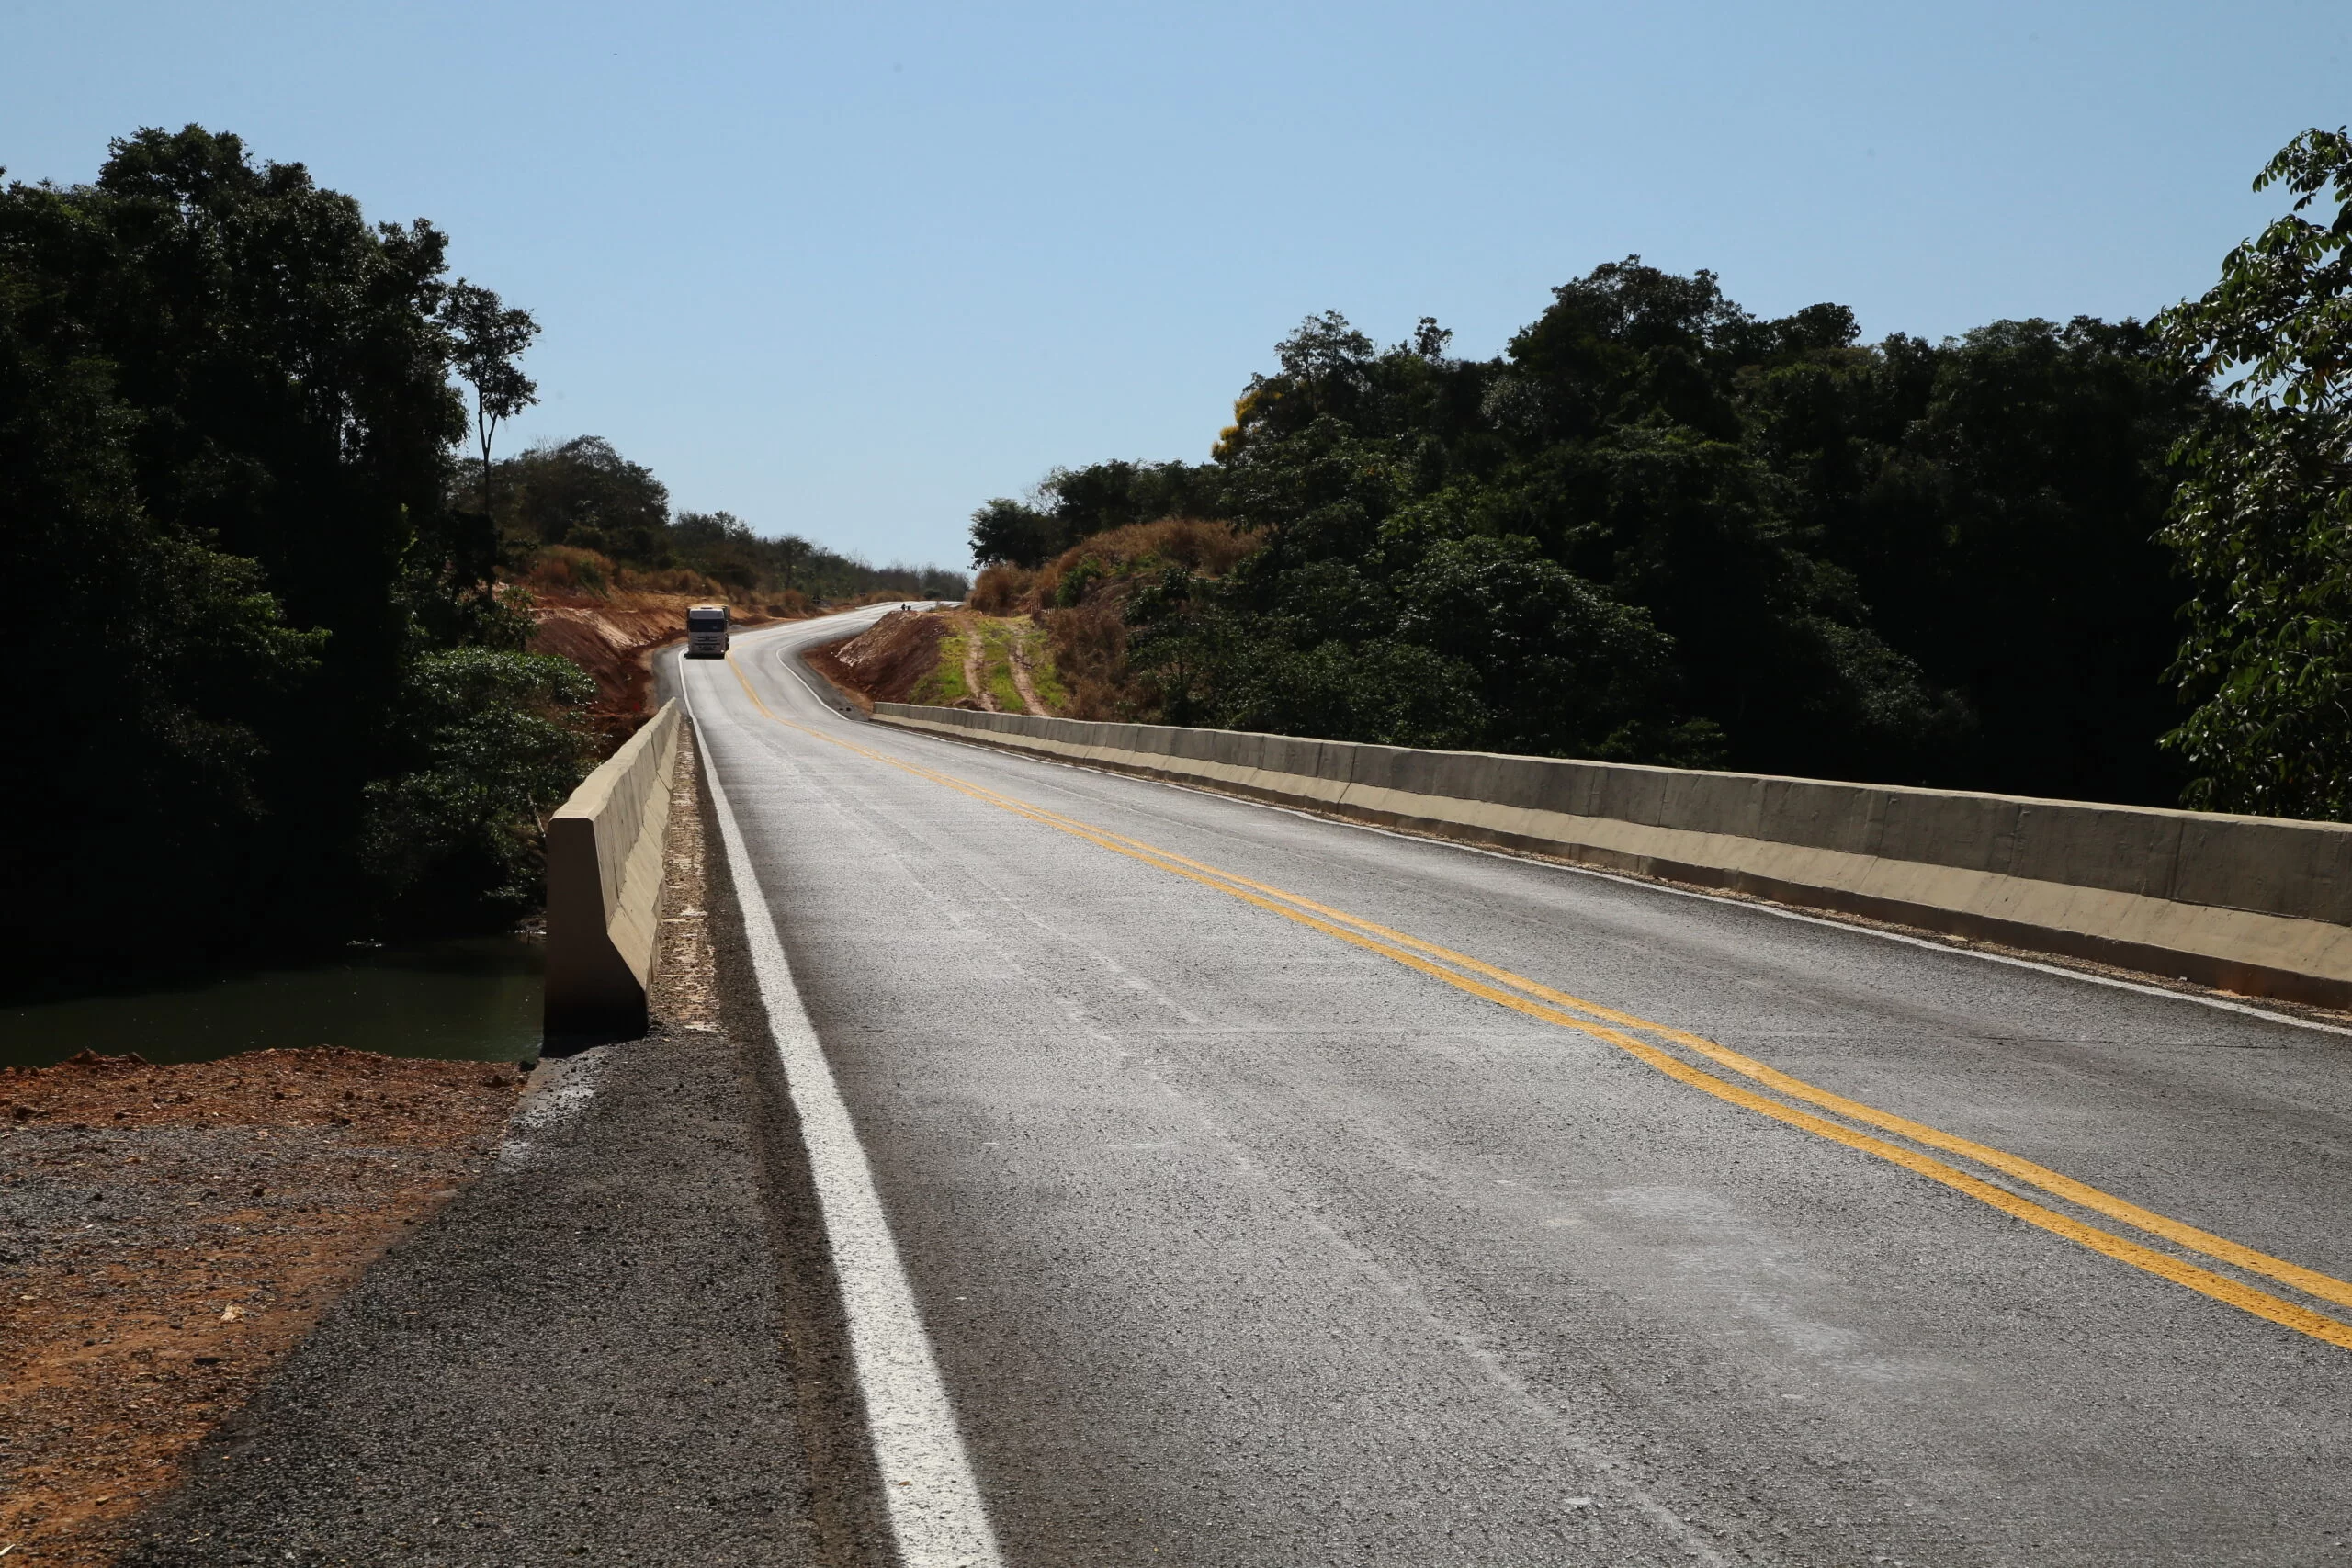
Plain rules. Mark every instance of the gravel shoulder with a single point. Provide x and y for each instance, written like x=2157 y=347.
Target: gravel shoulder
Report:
x=582 y=1355
x=167 y=1234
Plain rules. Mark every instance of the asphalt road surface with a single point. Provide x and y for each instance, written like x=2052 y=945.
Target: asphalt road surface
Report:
x=1268 y=1191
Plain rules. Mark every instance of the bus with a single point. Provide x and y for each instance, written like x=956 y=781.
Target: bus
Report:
x=706 y=632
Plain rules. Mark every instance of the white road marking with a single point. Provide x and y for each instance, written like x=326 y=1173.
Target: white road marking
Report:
x=899 y=1329
x=936 y=1514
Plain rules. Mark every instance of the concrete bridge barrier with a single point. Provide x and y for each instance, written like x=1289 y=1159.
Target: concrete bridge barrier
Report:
x=603 y=883
x=2255 y=905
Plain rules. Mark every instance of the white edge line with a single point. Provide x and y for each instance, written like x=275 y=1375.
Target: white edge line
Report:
x=1759 y=904
x=936 y=1514
x=912 y=1341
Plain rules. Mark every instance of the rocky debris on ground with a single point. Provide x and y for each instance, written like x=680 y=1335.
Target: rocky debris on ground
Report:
x=686 y=983
x=168 y=1233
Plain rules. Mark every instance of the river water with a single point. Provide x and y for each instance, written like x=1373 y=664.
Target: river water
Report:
x=475 y=1000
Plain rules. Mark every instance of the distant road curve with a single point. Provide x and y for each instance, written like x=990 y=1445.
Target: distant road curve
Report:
x=1270 y=1190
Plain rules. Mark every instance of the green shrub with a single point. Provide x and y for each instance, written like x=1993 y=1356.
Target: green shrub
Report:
x=496 y=750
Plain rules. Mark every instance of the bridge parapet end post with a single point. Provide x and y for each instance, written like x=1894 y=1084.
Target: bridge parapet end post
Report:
x=603 y=859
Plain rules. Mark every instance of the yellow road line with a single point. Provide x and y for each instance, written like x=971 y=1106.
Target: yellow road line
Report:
x=2324 y=1286
x=1540 y=1001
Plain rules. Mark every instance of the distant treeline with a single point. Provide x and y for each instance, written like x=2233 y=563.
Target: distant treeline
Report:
x=1658 y=528
x=582 y=495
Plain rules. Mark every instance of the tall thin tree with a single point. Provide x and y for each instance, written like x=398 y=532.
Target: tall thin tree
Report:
x=487 y=337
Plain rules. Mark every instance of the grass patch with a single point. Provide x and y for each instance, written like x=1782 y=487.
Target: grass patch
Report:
x=996 y=665
x=944 y=684
x=1042 y=674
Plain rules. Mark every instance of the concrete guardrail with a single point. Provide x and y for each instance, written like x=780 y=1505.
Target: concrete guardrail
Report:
x=604 y=881
x=2253 y=905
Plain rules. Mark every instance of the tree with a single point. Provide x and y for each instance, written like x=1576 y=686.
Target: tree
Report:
x=1995 y=500
x=791 y=552
x=1662 y=528
x=496 y=754
x=487 y=336
x=228 y=436
x=584 y=493
x=1006 y=530
x=176 y=650
x=2263 y=521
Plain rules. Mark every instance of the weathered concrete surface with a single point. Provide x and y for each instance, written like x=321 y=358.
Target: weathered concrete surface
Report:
x=603 y=850
x=2253 y=905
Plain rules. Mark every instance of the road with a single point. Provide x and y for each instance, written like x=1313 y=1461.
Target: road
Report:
x=1401 y=1203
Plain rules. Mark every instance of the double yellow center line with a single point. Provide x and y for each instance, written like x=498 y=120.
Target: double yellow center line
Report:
x=1612 y=1027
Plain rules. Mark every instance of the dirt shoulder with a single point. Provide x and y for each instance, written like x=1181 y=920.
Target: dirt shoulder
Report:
x=168 y=1233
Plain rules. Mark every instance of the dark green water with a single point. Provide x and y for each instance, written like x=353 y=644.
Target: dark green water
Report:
x=476 y=1000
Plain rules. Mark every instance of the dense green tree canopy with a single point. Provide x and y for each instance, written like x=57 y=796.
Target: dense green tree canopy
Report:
x=1661 y=528
x=226 y=432
x=584 y=493
x=1071 y=504
x=2264 y=519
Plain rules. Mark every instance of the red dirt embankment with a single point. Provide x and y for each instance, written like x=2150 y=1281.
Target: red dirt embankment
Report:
x=882 y=663
x=613 y=637
x=168 y=1233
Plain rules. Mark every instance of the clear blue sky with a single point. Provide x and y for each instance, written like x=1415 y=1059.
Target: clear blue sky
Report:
x=850 y=270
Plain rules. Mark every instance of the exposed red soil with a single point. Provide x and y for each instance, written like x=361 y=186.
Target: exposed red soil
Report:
x=173 y=1231
x=613 y=638
x=884 y=662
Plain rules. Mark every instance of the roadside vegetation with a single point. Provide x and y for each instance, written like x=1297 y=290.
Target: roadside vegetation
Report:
x=280 y=625
x=1075 y=605
x=1658 y=528
x=2262 y=522
x=578 y=516
x=1049 y=638
x=955 y=657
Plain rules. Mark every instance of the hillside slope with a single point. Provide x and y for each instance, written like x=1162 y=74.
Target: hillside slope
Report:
x=947 y=658
x=611 y=637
